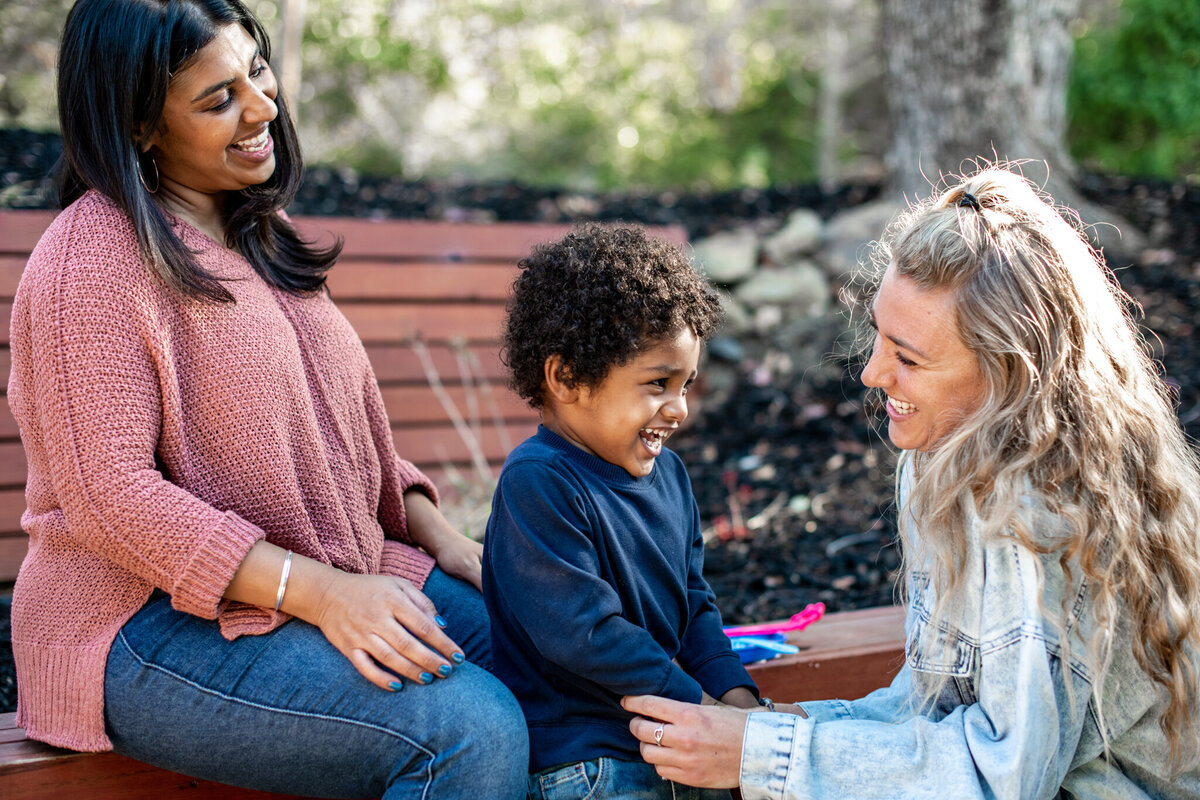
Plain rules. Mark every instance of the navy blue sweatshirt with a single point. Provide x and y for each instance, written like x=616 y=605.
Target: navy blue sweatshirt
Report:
x=592 y=580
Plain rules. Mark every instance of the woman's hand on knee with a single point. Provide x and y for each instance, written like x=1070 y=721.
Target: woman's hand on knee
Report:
x=688 y=743
x=380 y=621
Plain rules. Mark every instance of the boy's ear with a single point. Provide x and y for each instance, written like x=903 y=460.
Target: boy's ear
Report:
x=554 y=376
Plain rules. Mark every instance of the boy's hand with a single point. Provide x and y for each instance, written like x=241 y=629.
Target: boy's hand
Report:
x=462 y=558
x=739 y=697
x=457 y=555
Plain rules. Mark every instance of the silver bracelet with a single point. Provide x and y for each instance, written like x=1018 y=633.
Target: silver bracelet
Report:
x=766 y=703
x=283 y=579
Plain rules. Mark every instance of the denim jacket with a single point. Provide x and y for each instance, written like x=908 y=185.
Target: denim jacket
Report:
x=1014 y=720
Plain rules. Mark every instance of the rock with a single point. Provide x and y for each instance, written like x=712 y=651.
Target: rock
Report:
x=801 y=287
x=767 y=318
x=849 y=235
x=729 y=256
x=737 y=318
x=726 y=348
x=800 y=236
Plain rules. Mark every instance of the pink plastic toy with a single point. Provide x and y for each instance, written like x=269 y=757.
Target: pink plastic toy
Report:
x=798 y=622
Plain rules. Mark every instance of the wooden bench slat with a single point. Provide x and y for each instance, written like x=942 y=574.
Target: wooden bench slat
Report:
x=12 y=464
x=443 y=322
x=419 y=404
x=12 y=553
x=20 y=230
x=12 y=505
x=444 y=240
x=8 y=424
x=399 y=363
x=434 y=445
x=11 y=267
x=352 y=280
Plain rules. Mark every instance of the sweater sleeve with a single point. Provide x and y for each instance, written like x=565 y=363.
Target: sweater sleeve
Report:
x=545 y=571
x=397 y=475
x=98 y=355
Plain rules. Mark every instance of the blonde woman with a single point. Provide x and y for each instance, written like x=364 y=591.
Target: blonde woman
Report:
x=1050 y=518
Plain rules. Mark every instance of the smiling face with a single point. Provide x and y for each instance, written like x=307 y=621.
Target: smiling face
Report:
x=213 y=135
x=627 y=417
x=931 y=379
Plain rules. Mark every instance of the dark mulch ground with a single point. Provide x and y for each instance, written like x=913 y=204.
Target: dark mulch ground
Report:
x=804 y=441
x=792 y=479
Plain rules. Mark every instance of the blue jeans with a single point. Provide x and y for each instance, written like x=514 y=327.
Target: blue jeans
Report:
x=286 y=712
x=612 y=779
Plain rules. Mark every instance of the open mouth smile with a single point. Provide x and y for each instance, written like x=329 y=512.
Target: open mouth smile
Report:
x=257 y=145
x=653 y=439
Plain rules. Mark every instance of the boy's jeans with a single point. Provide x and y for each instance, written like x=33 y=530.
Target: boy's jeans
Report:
x=286 y=712
x=612 y=779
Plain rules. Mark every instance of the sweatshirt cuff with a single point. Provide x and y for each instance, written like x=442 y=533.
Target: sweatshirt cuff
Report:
x=680 y=686
x=205 y=578
x=721 y=673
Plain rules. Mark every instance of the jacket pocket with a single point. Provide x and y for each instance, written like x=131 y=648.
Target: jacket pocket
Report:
x=937 y=650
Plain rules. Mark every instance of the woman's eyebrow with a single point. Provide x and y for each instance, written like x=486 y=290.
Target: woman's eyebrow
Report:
x=216 y=87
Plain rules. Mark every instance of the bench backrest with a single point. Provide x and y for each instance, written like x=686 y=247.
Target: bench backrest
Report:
x=427 y=299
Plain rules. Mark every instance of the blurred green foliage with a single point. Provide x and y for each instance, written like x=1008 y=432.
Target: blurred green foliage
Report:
x=554 y=92
x=1134 y=96
x=686 y=94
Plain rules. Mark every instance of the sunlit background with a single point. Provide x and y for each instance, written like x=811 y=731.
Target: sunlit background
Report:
x=688 y=94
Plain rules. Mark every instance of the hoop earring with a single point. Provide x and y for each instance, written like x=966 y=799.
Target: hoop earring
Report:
x=142 y=178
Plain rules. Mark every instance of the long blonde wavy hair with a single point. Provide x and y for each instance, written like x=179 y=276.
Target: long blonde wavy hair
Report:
x=1074 y=408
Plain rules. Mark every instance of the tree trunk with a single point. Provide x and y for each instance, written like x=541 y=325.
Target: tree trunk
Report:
x=291 y=53
x=975 y=78
x=982 y=79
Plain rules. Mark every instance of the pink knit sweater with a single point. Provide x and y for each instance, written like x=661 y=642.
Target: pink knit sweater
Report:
x=165 y=436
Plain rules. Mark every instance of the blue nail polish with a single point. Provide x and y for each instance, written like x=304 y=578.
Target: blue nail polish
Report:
x=426 y=677
x=444 y=670
x=440 y=621
x=396 y=686
x=458 y=658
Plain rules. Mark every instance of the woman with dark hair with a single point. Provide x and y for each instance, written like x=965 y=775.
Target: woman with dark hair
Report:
x=226 y=555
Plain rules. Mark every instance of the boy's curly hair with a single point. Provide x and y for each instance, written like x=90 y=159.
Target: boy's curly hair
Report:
x=597 y=297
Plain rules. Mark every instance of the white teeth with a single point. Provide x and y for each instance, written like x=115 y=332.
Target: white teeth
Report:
x=901 y=406
x=653 y=439
x=256 y=143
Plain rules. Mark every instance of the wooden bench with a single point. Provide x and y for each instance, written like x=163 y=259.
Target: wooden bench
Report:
x=844 y=655
x=427 y=299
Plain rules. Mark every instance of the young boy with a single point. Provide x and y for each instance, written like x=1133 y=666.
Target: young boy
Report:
x=593 y=552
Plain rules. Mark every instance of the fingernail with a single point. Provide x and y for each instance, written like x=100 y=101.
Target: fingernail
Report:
x=444 y=670
x=426 y=677
x=441 y=622
x=396 y=686
x=458 y=658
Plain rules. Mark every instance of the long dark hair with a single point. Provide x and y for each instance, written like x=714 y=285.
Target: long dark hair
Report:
x=115 y=65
